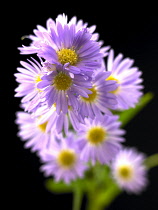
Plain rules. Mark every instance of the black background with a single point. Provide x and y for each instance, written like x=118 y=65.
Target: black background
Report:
x=128 y=29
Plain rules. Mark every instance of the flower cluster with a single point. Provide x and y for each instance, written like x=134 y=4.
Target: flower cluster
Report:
x=69 y=95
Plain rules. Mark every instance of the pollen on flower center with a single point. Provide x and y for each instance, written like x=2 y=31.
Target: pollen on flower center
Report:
x=43 y=126
x=111 y=77
x=38 y=79
x=125 y=172
x=66 y=158
x=67 y=56
x=91 y=97
x=62 y=81
x=96 y=135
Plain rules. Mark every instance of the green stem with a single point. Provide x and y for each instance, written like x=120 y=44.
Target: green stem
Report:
x=77 y=198
x=91 y=204
x=101 y=200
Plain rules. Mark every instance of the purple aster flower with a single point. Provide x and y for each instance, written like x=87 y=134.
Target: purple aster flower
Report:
x=63 y=19
x=128 y=78
x=32 y=132
x=70 y=44
x=100 y=100
x=38 y=38
x=29 y=77
x=99 y=139
x=62 y=160
x=129 y=171
x=62 y=88
x=59 y=122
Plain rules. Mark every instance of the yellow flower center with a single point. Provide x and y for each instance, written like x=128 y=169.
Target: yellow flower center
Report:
x=125 y=172
x=62 y=81
x=111 y=77
x=43 y=126
x=38 y=78
x=91 y=97
x=67 y=56
x=96 y=135
x=66 y=158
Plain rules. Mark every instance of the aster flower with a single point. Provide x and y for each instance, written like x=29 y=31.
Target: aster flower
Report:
x=38 y=37
x=62 y=89
x=58 y=122
x=29 y=77
x=100 y=100
x=70 y=44
x=129 y=171
x=62 y=160
x=128 y=79
x=100 y=138
x=32 y=132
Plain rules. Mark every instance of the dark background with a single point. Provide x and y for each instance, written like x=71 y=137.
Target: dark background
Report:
x=128 y=29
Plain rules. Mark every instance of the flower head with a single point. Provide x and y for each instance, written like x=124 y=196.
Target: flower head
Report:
x=62 y=160
x=62 y=88
x=128 y=79
x=99 y=100
x=33 y=132
x=129 y=171
x=99 y=139
x=74 y=50
x=29 y=77
x=70 y=44
x=58 y=122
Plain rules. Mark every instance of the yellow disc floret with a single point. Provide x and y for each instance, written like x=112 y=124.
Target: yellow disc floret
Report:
x=125 y=172
x=67 y=56
x=91 y=97
x=66 y=158
x=62 y=81
x=111 y=77
x=38 y=78
x=96 y=135
x=42 y=126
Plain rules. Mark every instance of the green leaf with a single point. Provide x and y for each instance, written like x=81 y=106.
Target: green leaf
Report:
x=127 y=115
x=61 y=187
x=151 y=161
x=58 y=187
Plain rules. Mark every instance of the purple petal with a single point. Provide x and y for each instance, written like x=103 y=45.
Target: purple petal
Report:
x=43 y=84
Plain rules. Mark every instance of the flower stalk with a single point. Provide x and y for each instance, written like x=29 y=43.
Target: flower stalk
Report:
x=77 y=197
